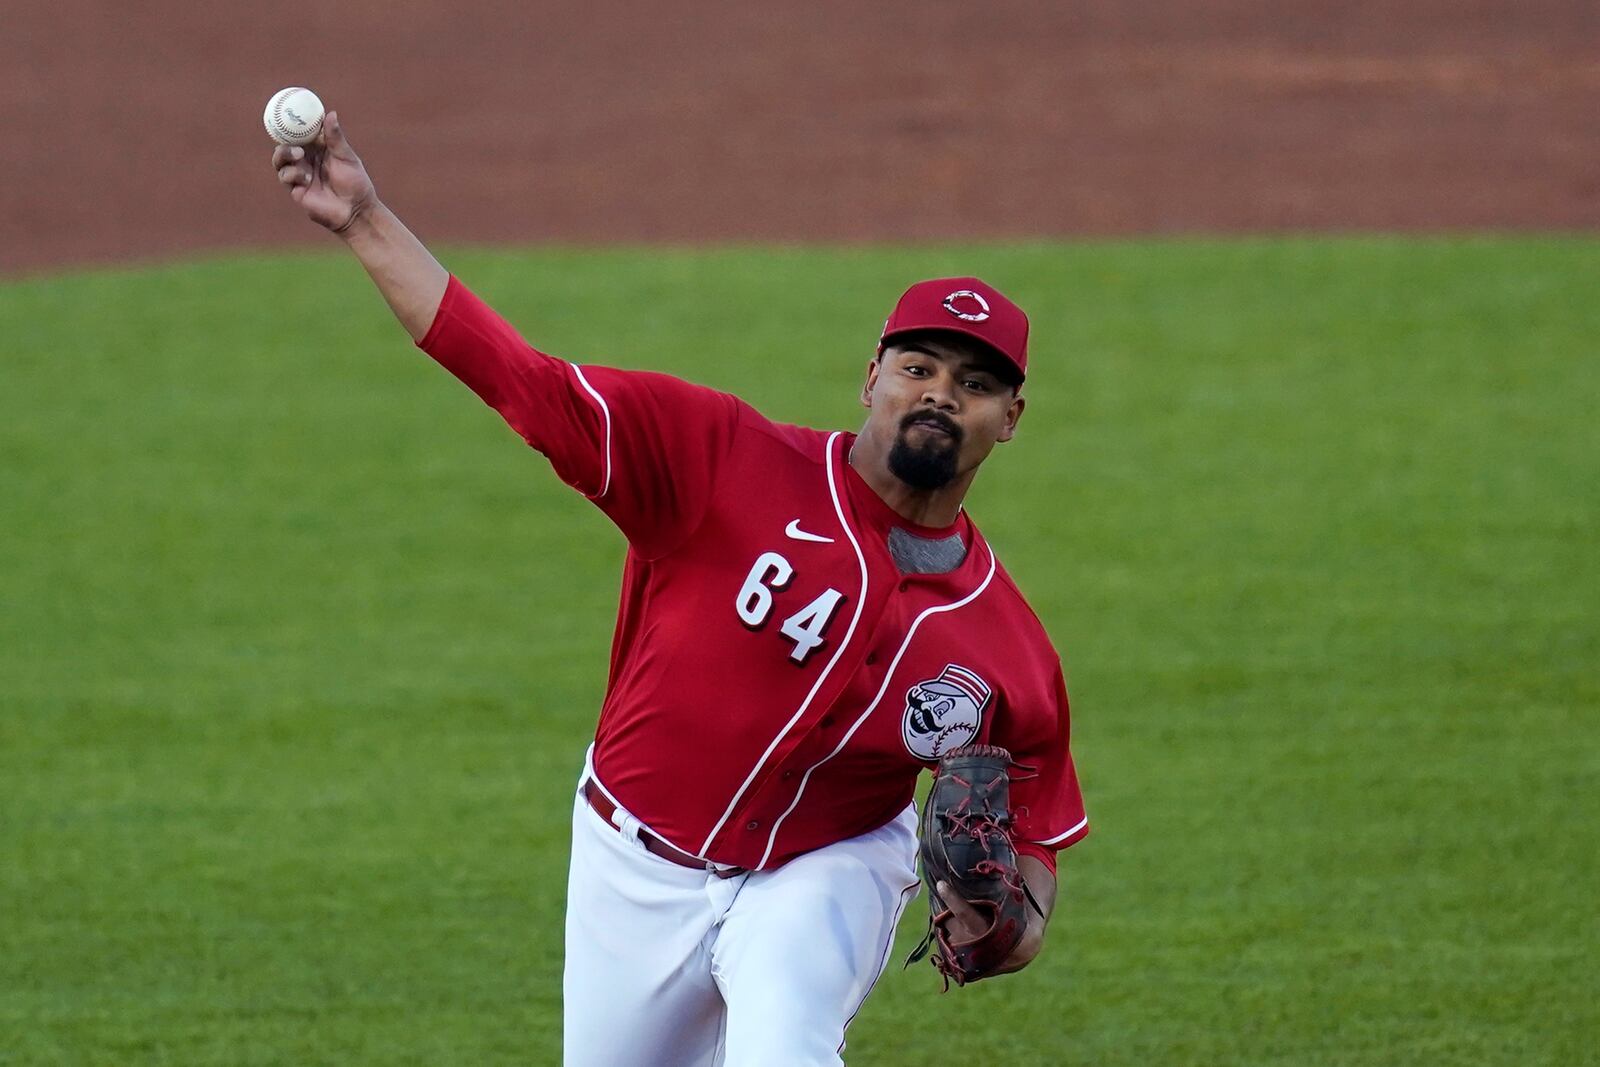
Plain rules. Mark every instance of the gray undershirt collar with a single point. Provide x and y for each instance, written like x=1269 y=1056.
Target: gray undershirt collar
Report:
x=922 y=555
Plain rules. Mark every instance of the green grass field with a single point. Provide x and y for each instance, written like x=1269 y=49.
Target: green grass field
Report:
x=300 y=648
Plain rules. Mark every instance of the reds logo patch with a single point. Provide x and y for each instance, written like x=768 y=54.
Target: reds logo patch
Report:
x=944 y=713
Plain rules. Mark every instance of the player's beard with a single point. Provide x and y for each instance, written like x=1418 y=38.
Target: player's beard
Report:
x=931 y=465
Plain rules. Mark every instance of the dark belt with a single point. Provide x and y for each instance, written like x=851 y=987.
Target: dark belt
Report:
x=605 y=809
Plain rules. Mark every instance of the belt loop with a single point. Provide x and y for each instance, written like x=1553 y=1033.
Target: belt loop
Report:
x=627 y=826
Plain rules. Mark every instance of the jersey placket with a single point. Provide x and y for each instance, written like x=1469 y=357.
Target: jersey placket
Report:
x=780 y=795
x=773 y=792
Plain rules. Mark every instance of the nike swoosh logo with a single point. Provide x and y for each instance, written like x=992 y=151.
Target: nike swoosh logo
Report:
x=794 y=531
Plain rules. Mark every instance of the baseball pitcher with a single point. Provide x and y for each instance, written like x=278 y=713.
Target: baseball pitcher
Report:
x=808 y=619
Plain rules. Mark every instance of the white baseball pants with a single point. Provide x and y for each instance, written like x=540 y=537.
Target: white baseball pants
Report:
x=669 y=966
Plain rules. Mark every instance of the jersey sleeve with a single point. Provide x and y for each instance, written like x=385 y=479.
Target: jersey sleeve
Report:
x=645 y=447
x=1048 y=805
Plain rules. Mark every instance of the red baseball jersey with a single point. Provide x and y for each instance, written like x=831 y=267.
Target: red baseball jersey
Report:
x=776 y=682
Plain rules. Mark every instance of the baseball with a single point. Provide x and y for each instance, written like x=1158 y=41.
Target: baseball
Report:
x=293 y=116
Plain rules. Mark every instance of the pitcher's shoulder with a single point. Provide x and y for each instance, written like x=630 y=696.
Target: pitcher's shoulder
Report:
x=803 y=441
x=1012 y=603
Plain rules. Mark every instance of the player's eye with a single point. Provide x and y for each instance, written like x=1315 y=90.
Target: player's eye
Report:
x=977 y=385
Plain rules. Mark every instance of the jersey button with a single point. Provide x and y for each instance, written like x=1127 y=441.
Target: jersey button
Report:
x=752 y=825
x=904 y=586
x=788 y=775
x=872 y=657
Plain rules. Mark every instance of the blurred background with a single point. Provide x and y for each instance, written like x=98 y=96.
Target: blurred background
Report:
x=131 y=130
x=300 y=649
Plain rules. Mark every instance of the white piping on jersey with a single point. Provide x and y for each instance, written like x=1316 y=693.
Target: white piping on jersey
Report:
x=882 y=689
x=1062 y=837
x=861 y=600
x=605 y=482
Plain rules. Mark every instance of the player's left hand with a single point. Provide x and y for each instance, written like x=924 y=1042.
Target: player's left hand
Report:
x=967 y=923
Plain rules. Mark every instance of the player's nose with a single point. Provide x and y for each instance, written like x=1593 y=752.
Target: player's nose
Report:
x=939 y=391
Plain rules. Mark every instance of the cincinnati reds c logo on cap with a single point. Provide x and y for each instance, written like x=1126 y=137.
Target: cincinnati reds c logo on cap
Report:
x=967 y=316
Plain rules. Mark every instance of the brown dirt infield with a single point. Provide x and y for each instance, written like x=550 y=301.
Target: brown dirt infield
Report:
x=131 y=131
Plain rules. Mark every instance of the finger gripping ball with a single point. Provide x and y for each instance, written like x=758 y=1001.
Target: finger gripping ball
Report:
x=293 y=116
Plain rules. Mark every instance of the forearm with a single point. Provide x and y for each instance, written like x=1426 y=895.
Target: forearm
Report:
x=1041 y=882
x=405 y=272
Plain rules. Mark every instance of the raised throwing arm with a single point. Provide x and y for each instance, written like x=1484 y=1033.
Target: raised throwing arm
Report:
x=327 y=179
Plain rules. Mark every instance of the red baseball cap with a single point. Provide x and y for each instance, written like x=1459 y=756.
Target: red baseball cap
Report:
x=963 y=305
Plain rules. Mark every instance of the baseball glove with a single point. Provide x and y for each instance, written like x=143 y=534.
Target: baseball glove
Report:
x=966 y=843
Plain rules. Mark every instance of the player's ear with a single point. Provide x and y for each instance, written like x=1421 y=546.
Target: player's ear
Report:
x=1013 y=415
x=873 y=366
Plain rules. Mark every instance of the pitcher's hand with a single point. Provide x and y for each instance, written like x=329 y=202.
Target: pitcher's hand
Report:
x=966 y=924
x=326 y=177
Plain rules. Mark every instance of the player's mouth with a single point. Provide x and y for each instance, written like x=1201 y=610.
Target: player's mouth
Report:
x=932 y=422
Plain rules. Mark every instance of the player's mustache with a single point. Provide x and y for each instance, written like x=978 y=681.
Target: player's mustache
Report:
x=932 y=418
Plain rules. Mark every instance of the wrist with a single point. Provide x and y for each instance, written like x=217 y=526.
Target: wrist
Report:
x=364 y=221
